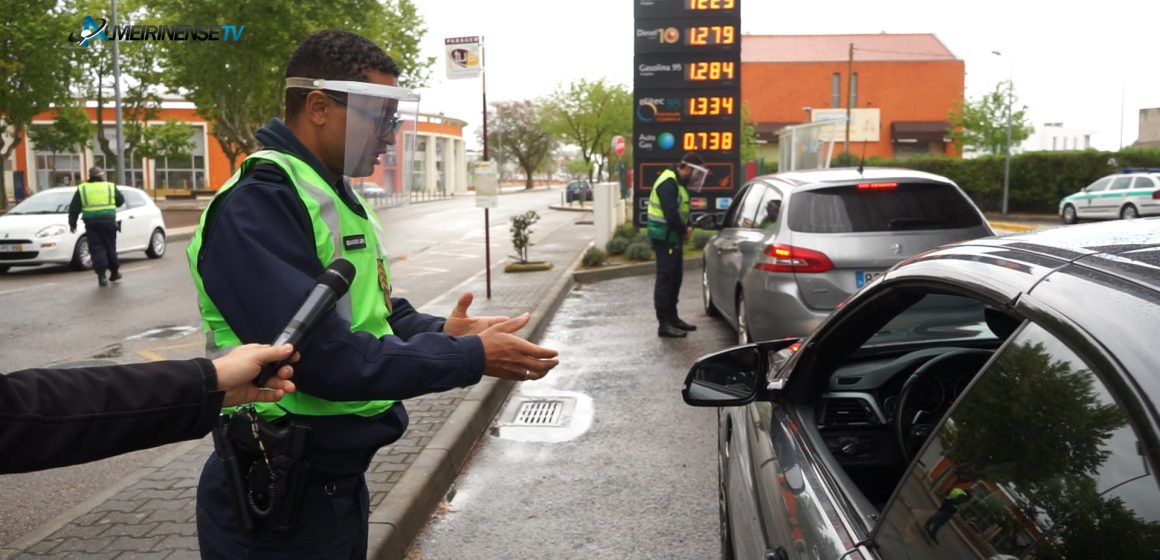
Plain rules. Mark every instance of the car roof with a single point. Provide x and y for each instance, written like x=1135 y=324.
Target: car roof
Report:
x=845 y=175
x=1126 y=249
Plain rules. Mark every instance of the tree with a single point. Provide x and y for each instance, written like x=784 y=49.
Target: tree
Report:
x=982 y=125
x=517 y=132
x=748 y=144
x=34 y=73
x=141 y=79
x=238 y=86
x=169 y=140
x=588 y=114
x=70 y=130
x=522 y=233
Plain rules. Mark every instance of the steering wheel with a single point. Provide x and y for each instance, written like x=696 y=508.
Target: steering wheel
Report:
x=911 y=430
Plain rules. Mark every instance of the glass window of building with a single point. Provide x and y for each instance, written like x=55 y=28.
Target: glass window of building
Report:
x=134 y=166
x=187 y=172
x=55 y=169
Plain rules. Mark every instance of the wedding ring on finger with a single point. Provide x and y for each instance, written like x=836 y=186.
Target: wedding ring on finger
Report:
x=527 y=374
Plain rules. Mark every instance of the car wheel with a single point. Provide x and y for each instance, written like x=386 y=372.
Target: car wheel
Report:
x=156 y=248
x=1129 y=212
x=1069 y=216
x=706 y=299
x=81 y=259
x=742 y=321
x=4 y=268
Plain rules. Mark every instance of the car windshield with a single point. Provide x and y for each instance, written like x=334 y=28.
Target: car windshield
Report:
x=935 y=317
x=55 y=202
x=883 y=206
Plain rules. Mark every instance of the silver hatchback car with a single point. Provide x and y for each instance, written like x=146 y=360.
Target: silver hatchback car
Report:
x=794 y=245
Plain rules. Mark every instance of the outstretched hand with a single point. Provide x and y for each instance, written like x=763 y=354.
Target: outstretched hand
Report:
x=459 y=323
x=508 y=356
x=237 y=370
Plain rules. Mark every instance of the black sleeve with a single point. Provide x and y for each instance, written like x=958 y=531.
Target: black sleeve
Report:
x=119 y=199
x=258 y=263
x=670 y=204
x=58 y=417
x=74 y=209
x=408 y=322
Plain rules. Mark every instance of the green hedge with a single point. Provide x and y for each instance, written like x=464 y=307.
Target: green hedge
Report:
x=1038 y=179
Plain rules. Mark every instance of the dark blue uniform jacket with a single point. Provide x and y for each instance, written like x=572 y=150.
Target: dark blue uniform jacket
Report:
x=258 y=263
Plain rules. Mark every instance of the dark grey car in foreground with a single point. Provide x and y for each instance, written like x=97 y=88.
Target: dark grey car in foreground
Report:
x=992 y=399
x=793 y=245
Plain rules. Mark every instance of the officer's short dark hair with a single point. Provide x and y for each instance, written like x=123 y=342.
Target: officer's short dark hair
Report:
x=96 y=173
x=693 y=158
x=333 y=55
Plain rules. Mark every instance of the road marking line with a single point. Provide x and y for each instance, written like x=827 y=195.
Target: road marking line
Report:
x=151 y=356
x=18 y=290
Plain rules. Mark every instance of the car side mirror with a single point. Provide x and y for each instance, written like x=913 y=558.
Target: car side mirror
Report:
x=706 y=221
x=732 y=377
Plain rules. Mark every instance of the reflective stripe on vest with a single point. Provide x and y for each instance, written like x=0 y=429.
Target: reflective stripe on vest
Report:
x=364 y=306
x=97 y=196
x=658 y=227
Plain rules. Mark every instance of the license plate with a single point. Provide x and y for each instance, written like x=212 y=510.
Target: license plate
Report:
x=862 y=277
x=10 y=248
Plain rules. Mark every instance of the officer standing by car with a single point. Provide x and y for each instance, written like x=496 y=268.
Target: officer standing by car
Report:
x=97 y=200
x=668 y=227
x=261 y=243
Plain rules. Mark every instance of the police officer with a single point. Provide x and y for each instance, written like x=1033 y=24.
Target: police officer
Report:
x=97 y=200
x=265 y=237
x=668 y=227
x=954 y=501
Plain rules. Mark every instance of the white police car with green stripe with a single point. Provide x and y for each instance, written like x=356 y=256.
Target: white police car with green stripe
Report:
x=1131 y=194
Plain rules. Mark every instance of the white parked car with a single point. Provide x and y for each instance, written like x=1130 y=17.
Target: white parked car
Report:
x=1132 y=194
x=36 y=230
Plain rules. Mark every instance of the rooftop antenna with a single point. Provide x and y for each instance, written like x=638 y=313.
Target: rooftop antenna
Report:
x=862 y=162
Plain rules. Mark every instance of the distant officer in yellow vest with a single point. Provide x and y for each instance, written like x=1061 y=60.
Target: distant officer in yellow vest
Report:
x=668 y=227
x=97 y=200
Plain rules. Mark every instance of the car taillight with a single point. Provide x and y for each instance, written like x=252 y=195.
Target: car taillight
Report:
x=876 y=186
x=1156 y=194
x=787 y=258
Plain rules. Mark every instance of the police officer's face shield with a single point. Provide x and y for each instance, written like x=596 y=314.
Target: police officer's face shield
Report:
x=697 y=176
x=380 y=134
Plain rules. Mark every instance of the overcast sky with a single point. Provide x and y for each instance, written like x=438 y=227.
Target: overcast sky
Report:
x=1069 y=65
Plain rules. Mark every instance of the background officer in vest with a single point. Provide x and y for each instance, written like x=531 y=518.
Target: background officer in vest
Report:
x=668 y=227
x=263 y=241
x=97 y=200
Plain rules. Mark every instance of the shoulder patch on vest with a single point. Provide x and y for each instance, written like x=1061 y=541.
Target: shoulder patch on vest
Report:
x=354 y=242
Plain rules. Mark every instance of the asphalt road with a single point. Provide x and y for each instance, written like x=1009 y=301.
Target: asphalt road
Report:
x=633 y=471
x=50 y=315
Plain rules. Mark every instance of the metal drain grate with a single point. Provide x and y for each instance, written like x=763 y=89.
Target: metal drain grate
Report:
x=540 y=413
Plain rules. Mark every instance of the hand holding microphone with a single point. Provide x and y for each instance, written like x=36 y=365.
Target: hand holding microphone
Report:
x=331 y=285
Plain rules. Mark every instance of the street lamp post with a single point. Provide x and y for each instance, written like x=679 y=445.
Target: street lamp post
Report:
x=1007 y=159
x=120 y=131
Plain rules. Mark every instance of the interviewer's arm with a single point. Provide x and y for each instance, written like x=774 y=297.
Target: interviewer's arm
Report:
x=58 y=417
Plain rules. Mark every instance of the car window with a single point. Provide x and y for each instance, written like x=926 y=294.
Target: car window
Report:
x=1099 y=185
x=53 y=202
x=746 y=215
x=871 y=207
x=133 y=199
x=1121 y=183
x=1036 y=461
x=768 y=208
x=937 y=317
x=1143 y=182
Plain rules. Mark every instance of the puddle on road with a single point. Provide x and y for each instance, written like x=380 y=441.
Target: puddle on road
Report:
x=544 y=415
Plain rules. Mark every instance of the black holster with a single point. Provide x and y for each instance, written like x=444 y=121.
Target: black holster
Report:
x=264 y=495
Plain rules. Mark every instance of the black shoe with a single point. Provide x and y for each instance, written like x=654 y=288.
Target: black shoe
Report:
x=681 y=324
x=115 y=276
x=670 y=331
x=101 y=280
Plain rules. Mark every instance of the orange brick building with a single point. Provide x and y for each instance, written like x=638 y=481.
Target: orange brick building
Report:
x=440 y=160
x=904 y=87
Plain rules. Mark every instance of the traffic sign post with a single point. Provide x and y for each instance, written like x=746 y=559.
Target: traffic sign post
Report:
x=687 y=96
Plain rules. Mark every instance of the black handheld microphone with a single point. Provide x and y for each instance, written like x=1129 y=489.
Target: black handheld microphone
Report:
x=332 y=285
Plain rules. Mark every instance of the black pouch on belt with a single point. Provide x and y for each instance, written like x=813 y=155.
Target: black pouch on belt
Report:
x=270 y=457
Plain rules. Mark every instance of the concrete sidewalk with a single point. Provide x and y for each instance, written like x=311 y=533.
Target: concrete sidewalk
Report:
x=151 y=512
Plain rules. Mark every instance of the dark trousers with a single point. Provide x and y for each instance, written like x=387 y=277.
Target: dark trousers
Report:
x=102 y=236
x=670 y=271
x=331 y=522
x=936 y=521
